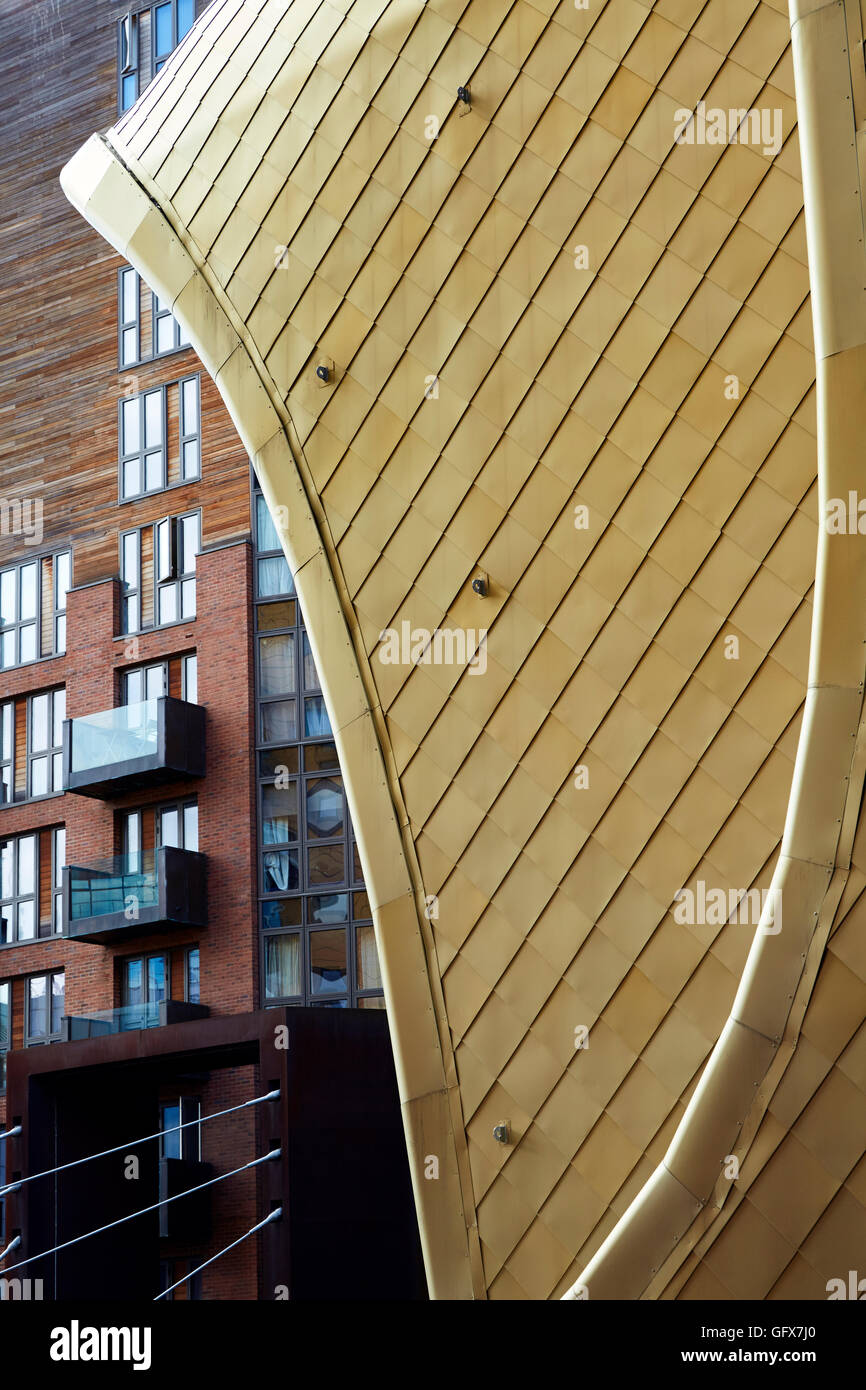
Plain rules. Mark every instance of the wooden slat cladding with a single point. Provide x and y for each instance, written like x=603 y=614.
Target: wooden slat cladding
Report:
x=172 y=411
x=46 y=636
x=147 y=576
x=44 y=883
x=145 y=340
x=64 y=390
x=20 y=748
x=175 y=677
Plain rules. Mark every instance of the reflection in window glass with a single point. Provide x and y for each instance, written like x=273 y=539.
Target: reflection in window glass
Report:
x=327 y=962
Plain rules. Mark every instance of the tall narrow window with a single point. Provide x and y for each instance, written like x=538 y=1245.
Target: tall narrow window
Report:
x=192 y=976
x=130 y=574
x=44 y=1005
x=129 y=316
x=45 y=716
x=19 y=877
x=58 y=860
x=178 y=541
x=142 y=444
x=127 y=61
x=190 y=444
x=189 y=679
x=181 y=1119
x=62 y=581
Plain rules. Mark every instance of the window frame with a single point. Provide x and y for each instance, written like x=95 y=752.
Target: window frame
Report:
x=189 y=952
x=57 y=613
x=131 y=67
x=144 y=451
x=51 y=1035
x=177 y=579
x=125 y=325
x=144 y=958
x=179 y=807
x=16 y=898
x=53 y=752
x=188 y=1140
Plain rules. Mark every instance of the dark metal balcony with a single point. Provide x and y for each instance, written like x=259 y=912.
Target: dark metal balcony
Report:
x=151 y=891
x=133 y=746
x=130 y=1018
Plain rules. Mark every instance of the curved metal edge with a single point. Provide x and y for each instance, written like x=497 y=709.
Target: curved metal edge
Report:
x=123 y=205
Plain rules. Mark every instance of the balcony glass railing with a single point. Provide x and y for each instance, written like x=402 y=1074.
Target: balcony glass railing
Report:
x=125 y=1020
x=125 y=883
x=114 y=736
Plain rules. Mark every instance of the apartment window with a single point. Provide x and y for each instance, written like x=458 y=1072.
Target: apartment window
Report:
x=189 y=678
x=143 y=980
x=45 y=716
x=178 y=540
x=190 y=416
x=5 y=1032
x=62 y=577
x=130 y=576
x=33 y=609
x=146 y=327
x=273 y=576
x=7 y=751
x=44 y=1005
x=181 y=1142
x=19 y=878
x=145 y=39
x=166 y=333
x=146 y=465
x=192 y=976
x=171 y=21
x=127 y=61
x=177 y=825
x=157 y=569
x=129 y=315
x=152 y=682
x=142 y=443
x=145 y=683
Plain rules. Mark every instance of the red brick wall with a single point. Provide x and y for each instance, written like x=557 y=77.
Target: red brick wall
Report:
x=221 y=636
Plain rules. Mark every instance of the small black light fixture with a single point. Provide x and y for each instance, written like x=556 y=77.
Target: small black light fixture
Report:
x=464 y=97
x=479 y=585
x=323 y=373
x=500 y=1133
